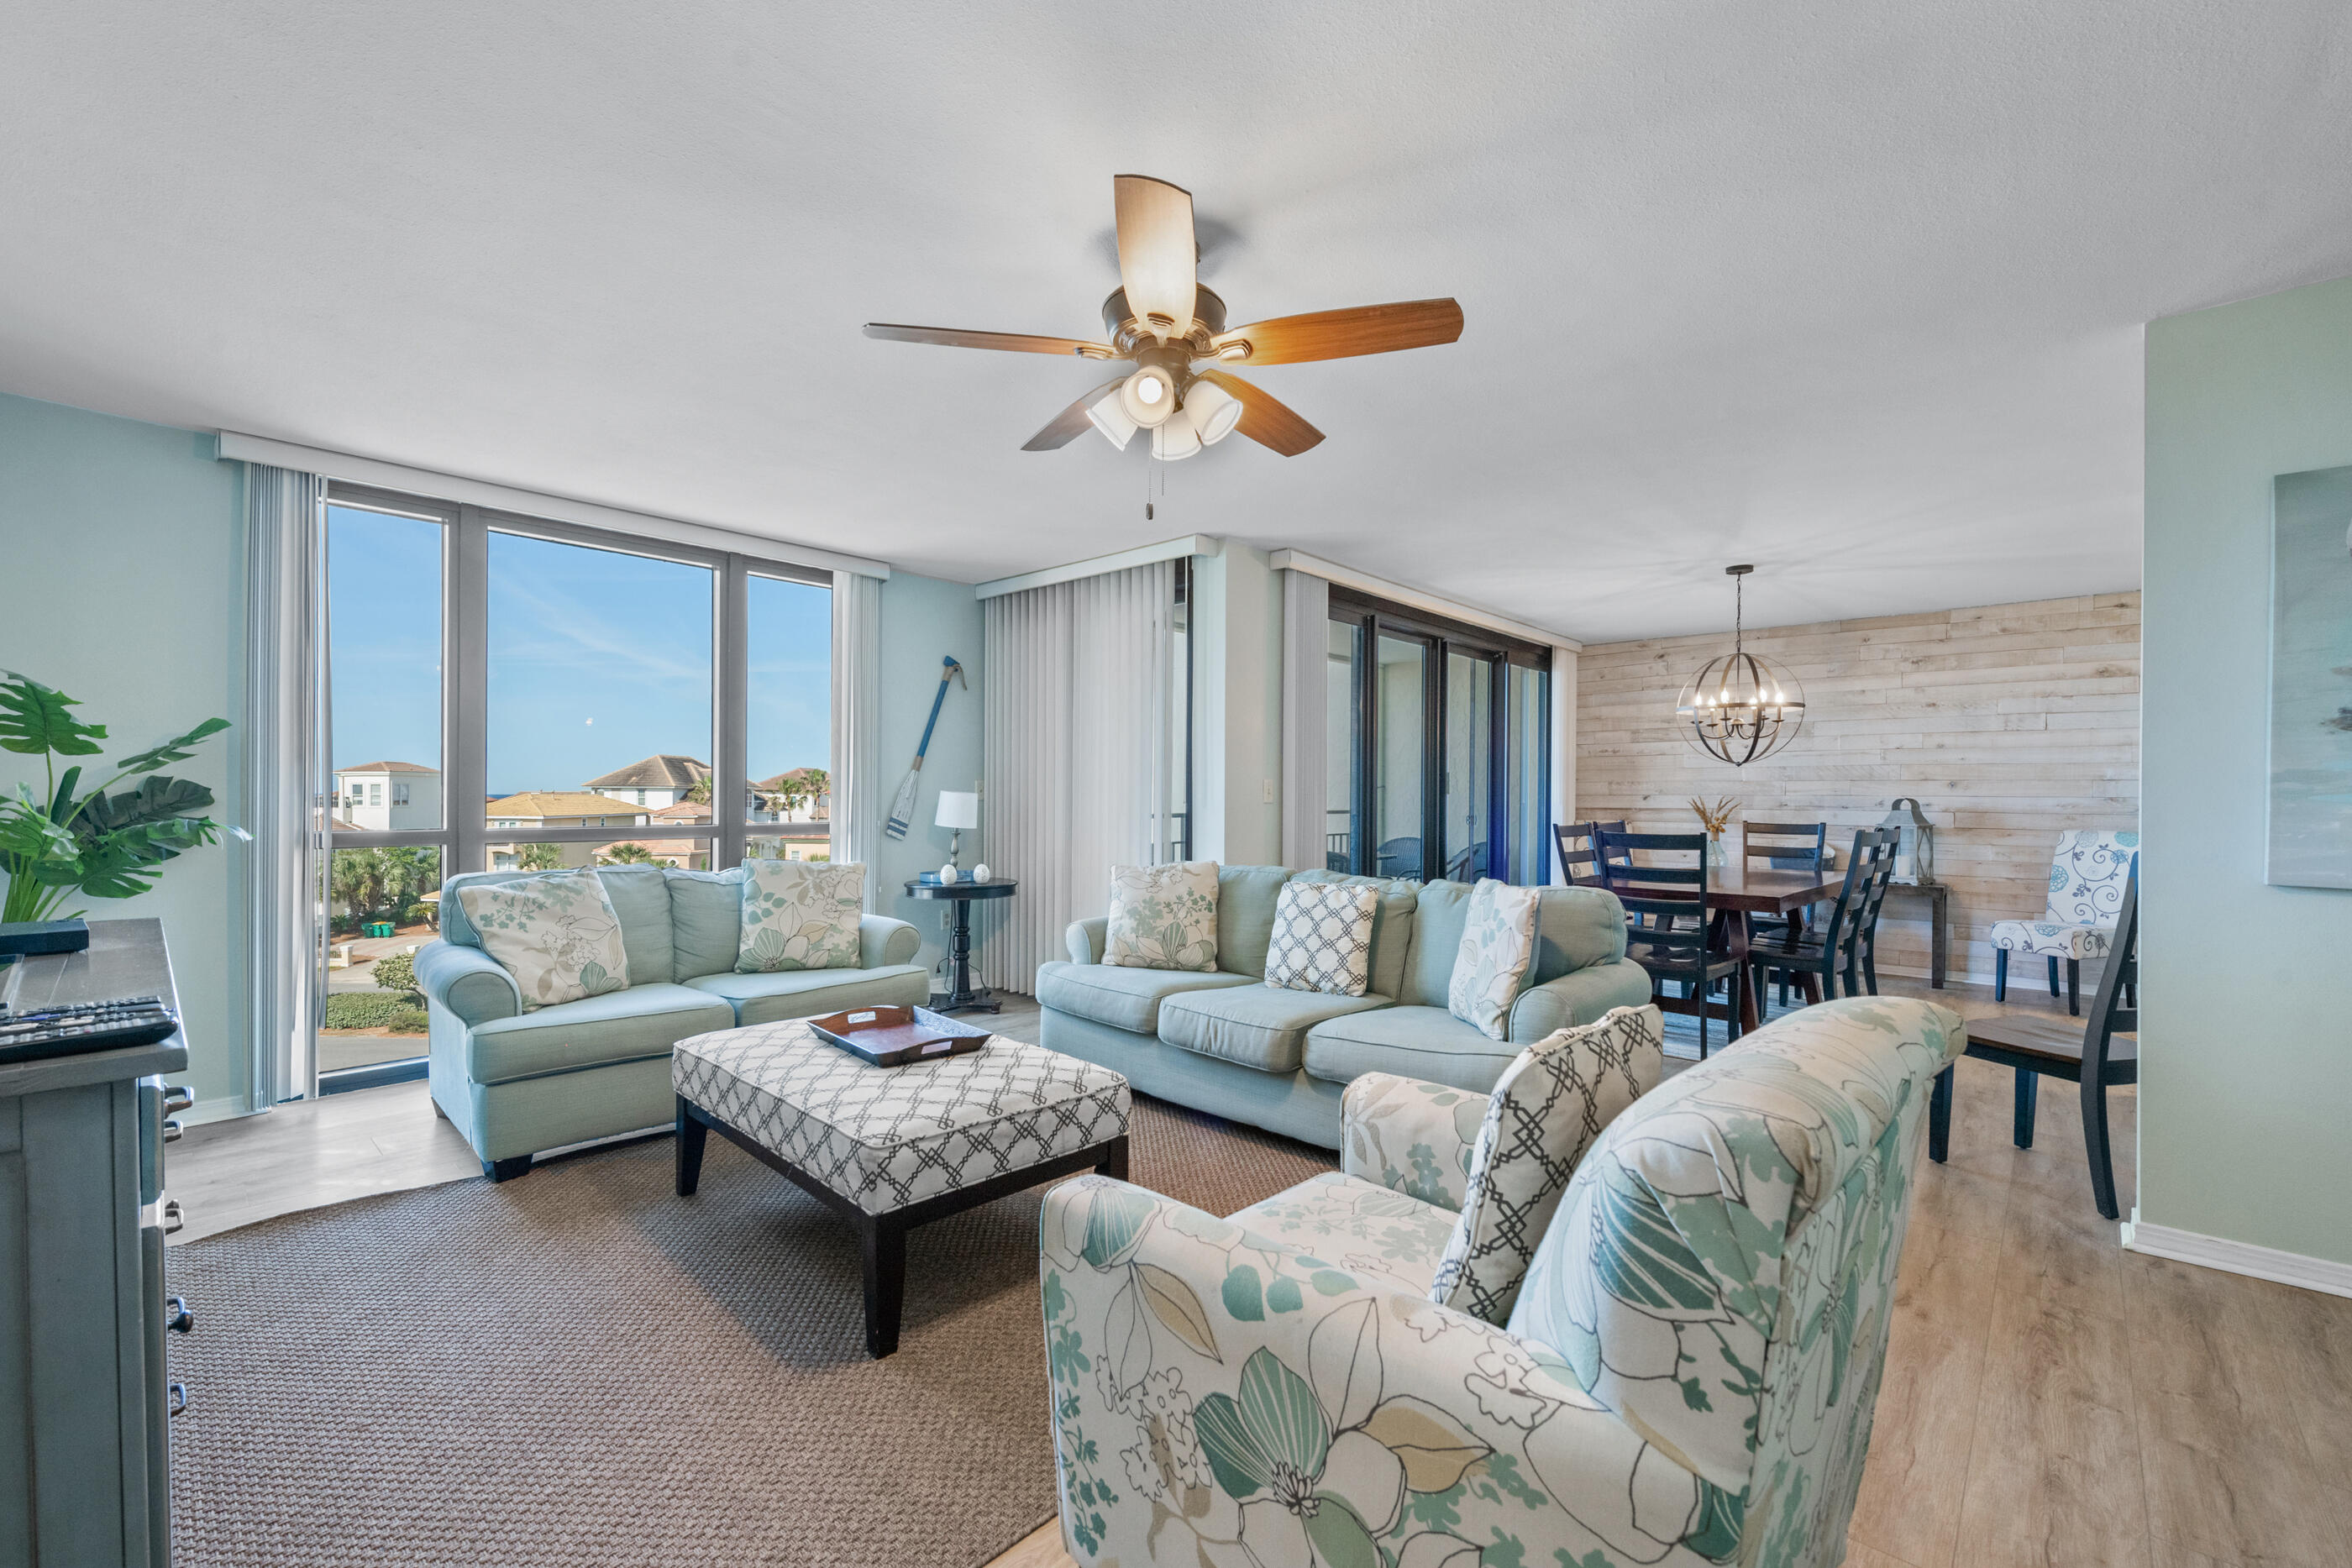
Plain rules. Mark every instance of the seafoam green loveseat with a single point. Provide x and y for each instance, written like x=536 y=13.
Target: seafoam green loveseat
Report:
x=518 y=1082
x=1223 y=1041
x=1687 y=1376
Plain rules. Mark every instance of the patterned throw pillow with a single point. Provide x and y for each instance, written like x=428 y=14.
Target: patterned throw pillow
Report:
x=556 y=935
x=1163 y=916
x=1548 y=1108
x=1498 y=946
x=1322 y=938
x=797 y=915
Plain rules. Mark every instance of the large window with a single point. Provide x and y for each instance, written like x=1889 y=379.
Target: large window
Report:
x=508 y=694
x=1438 y=748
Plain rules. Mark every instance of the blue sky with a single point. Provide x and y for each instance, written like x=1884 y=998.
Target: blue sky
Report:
x=596 y=658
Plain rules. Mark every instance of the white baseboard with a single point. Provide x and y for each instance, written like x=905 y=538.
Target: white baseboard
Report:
x=2236 y=1256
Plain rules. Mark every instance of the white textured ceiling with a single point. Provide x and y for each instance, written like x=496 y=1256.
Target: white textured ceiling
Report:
x=1849 y=290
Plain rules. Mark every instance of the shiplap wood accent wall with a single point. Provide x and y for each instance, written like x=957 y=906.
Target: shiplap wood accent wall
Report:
x=2008 y=722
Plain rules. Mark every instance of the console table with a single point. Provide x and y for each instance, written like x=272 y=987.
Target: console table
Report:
x=1939 y=914
x=965 y=997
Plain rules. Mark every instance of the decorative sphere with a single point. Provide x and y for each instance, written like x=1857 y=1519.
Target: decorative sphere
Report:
x=947 y=874
x=979 y=872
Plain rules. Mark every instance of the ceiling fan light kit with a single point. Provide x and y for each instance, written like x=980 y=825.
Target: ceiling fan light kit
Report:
x=1163 y=320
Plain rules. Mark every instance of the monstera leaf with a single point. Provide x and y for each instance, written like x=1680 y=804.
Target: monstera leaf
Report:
x=121 y=863
x=159 y=799
x=179 y=749
x=33 y=720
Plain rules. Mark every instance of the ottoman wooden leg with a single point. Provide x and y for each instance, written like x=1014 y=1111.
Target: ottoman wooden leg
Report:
x=691 y=1136
x=1113 y=1162
x=883 y=1243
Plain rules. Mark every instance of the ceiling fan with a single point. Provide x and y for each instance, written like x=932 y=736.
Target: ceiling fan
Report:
x=1163 y=319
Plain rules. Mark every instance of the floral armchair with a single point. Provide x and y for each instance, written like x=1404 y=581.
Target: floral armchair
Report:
x=2086 y=888
x=1686 y=1373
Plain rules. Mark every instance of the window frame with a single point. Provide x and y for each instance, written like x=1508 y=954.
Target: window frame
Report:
x=466 y=831
x=1441 y=638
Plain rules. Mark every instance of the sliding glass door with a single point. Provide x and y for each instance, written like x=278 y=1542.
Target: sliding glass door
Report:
x=1438 y=744
x=510 y=693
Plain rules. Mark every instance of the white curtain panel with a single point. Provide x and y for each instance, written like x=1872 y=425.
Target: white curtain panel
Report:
x=1306 y=699
x=1074 y=723
x=283 y=760
x=857 y=762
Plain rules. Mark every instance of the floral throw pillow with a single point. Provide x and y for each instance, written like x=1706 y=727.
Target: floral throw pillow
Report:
x=1548 y=1108
x=798 y=915
x=1322 y=938
x=1163 y=916
x=1498 y=947
x=556 y=935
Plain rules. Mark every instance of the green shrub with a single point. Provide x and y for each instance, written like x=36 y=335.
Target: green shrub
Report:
x=417 y=915
x=366 y=1009
x=397 y=973
x=409 y=1020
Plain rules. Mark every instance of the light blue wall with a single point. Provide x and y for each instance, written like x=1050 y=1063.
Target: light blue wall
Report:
x=923 y=619
x=120 y=585
x=2246 y=1040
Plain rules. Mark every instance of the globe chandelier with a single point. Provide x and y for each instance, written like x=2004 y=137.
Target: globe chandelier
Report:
x=1741 y=708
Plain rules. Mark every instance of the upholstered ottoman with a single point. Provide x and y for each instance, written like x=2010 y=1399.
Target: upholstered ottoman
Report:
x=890 y=1148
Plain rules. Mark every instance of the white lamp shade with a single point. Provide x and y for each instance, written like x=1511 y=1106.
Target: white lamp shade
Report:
x=1111 y=419
x=958 y=809
x=1177 y=438
x=1214 y=411
x=1148 y=396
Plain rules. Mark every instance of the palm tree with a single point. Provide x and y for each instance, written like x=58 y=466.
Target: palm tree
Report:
x=630 y=854
x=538 y=857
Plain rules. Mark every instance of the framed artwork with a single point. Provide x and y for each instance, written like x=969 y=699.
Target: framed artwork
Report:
x=2311 y=680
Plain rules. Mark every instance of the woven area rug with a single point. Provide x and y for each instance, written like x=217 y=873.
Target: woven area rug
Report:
x=580 y=1368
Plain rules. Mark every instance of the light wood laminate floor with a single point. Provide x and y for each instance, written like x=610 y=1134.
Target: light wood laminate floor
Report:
x=2050 y=1399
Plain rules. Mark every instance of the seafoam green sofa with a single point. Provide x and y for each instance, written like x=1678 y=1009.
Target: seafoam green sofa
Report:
x=1226 y=1042
x=1687 y=1376
x=517 y=1082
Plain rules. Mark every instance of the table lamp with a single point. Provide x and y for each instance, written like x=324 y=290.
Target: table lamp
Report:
x=958 y=809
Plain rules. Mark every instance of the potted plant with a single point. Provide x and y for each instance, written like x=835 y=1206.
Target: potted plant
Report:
x=65 y=840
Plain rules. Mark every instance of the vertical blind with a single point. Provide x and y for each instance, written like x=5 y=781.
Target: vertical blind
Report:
x=857 y=724
x=1074 y=728
x=1305 y=702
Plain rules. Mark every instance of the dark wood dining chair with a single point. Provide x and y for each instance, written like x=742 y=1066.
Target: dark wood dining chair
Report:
x=1782 y=846
x=2099 y=1055
x=1578 y=862
x=1834 y=946
x=1673 y=938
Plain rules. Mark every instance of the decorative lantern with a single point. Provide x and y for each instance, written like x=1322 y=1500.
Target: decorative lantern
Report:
x=1914 y=851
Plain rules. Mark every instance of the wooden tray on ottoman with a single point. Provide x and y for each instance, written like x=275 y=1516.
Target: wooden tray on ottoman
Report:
x=893 y=1036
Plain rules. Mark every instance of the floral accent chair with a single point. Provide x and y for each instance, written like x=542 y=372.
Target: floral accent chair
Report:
x=1687 y=1376
x=2086 y=891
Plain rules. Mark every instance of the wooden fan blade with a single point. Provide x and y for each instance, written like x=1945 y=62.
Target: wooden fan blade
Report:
x=1070 y=424
x=1266 y=419
x=1343 y=334
x=1156 y=253
x=1012 y=342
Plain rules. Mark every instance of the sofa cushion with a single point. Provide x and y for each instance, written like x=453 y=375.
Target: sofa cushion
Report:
x=1322 y=940
x=1547 y=1109
x=805 y=993
x=620 y=1026
x=634 y=891
x=1440 y=910
x=1120 y=996
x=799 y=915
x=1245 y=901
x=1576 y=928
x=1263 y=1027
x=1410 y=1041
x=1163 y=916
x=1358 y=1226
x=706 y=917
x=1391 y=923
x=555 y=932
x=1499 y=945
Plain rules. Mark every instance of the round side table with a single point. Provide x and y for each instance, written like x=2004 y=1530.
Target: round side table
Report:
x=965 y=997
